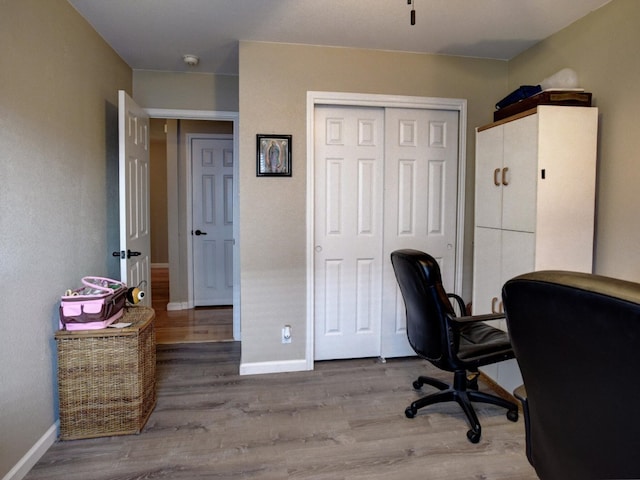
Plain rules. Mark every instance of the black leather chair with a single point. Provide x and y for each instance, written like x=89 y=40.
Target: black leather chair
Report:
x=455 y=344
x=577 y=340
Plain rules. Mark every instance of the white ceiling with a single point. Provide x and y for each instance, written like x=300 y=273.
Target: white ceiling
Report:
x=154 y=34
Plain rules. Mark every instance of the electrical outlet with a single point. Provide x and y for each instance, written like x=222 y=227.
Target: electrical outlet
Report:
x=286 y=334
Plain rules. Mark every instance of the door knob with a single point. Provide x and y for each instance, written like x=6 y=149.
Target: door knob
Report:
x=133 y=254
x=199 y=232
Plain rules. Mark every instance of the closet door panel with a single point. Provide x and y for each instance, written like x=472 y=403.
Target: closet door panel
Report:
x=420 y=206
x=349 y=160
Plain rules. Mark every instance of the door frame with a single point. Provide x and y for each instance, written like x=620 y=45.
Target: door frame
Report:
x=189 y=175
x=181 y=114
x=382 y=101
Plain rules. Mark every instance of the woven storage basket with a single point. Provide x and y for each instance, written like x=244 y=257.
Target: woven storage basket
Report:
x=106 y=378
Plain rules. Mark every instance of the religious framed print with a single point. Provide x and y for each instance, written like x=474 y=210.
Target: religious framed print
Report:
x=273 y=155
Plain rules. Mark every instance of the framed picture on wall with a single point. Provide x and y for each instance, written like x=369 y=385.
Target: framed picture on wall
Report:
x=273 y=155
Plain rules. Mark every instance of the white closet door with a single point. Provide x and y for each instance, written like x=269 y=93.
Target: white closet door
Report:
x=421 y=176
x=349 y=156
x=385 y=179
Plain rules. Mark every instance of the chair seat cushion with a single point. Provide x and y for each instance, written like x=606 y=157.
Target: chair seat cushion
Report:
x=479 y=340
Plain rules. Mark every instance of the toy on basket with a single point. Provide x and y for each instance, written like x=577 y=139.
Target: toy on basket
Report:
x=95 y=305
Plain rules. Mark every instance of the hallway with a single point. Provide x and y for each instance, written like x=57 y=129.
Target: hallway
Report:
x=197 y=325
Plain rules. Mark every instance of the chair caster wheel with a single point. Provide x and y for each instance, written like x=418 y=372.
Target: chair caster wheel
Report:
x=410 y=412
x=512 y=415
x=417 y=385
x=473 y=436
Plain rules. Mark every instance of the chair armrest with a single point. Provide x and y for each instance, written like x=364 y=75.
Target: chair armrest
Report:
x=461 y=306
x=477 y=318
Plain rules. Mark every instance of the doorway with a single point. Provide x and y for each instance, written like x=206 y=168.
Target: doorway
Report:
x=178 y=297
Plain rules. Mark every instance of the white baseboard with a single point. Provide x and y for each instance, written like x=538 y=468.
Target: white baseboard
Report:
x=26 y=463
x=172 y=306
x=274 y=367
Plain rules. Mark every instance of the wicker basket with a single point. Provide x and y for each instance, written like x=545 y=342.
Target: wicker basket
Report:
x=106 y=378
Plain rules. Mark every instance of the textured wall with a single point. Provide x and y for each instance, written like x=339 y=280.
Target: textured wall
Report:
x=58 y=199
x=191 y=91
x=274 y=80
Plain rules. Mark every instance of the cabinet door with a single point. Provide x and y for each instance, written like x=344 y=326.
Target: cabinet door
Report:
x=519 y=174
x=518 y=254
x=486 y=270
x=517 y=257
x=499 y=255
x=489 y=153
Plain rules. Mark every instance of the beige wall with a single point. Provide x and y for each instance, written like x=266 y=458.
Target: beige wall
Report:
x=58 y=196
x=274 y=80
x=190 y=91
x=158 y=192
x=603 y=49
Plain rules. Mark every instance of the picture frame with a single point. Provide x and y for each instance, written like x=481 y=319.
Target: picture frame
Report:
x=273 y=155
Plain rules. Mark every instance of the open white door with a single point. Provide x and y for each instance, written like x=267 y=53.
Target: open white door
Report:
x=135 y=240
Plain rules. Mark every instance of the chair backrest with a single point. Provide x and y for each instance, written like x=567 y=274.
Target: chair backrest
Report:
x=577 y=340
x=425 y=300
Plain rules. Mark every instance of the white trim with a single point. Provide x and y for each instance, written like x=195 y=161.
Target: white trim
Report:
x=35 y=453
x=189 y=204
x=174 y=306
x=283 y=366
x=385 y=101
x=233 y=117
x=193 y=114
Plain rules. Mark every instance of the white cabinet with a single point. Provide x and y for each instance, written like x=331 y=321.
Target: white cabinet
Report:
x=534 y=204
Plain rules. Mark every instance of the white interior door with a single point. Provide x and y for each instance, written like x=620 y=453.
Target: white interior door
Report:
x=421 y=176
x=135 y=240
x=212 y=222
x=348 y=231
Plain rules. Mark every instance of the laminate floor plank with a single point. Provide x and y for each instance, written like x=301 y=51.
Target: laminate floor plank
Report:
x=343 y=421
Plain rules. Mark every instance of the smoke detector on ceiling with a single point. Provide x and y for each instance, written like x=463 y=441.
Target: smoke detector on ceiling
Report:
x=191 y=60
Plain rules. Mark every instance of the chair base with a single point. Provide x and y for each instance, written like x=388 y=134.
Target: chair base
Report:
x=463 y=392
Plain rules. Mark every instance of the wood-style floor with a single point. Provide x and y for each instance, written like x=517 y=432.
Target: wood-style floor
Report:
x=343 y=421
x=187 y=326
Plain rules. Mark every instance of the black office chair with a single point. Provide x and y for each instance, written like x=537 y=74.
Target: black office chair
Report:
x=577 y=340
x=455 y=344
